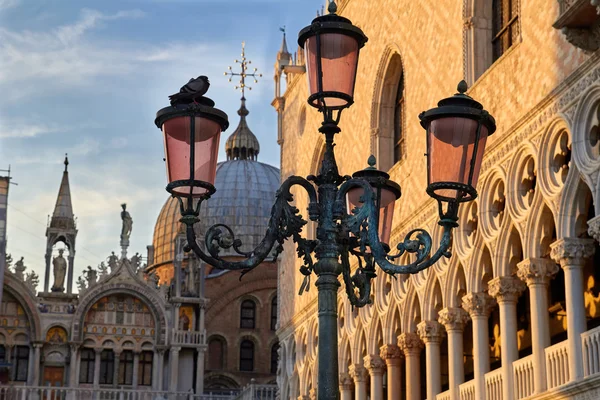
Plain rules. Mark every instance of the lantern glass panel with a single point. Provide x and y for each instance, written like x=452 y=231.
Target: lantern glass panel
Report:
x=177 y=137
x=339 y=59
x=386 y=209
x=451 y=147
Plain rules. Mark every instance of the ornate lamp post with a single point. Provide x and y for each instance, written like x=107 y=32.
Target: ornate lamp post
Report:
x=353 y=214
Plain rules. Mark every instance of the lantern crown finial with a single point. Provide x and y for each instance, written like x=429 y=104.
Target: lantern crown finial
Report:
x=332 y=8
x=462 y=87
x=372 y=161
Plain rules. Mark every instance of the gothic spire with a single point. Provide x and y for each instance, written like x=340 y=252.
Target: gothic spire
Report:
x=63 y=210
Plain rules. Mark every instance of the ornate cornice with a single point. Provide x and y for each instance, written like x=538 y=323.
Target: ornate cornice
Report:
x=430 y=331
x=506 y=288
x=571 y=252
x=536 y=271
x=453 y=319
x=410 y=343
x=478 y=304
x=594 y=228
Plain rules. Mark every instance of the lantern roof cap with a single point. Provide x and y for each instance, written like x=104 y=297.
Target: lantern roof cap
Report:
x=377 y=178
x=459 y=105
x=203 y=107
x=332 y=23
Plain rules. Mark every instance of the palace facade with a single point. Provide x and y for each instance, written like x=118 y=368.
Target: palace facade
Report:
x=514 y=313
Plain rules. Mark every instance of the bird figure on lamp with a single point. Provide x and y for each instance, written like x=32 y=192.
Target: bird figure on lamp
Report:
x=191 y=91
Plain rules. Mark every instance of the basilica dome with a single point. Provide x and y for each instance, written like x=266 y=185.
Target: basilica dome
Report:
x=245 y=195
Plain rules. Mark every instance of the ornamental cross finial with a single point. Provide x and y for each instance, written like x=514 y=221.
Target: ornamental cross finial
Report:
x=244 y=63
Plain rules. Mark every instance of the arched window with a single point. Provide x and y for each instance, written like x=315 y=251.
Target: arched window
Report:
x=126 y=368
x=247 y=356
x=2 y=354
x=86 y=368
x=107 y=367
x=21 y=363
x=398 y=121
x=274 y=358
x=505 y=28
x=274 y=313
x=215 y=354
x=247 y=314
x=145 y=369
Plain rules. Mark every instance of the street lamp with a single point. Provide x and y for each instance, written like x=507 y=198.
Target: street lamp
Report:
x=353 y=214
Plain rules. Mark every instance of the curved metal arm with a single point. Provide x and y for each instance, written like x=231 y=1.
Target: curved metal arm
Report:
x=285 y=222
x=363 y=224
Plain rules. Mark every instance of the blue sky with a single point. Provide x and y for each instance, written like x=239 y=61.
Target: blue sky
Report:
x=86 y=78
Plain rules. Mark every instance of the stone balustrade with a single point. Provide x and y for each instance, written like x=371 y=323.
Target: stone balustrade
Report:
x=443 y=396
x=590 y=342
x=188 y=338
x=466 y=391
x=557 y=364
x=493 y=385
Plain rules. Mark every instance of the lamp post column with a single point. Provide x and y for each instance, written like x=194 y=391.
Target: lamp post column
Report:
x=376 y=367
x=392 y=355
x=454 y=320
x=537 y=273
x=345 y=386
x=359 y=373
x=431 y=333
x=506 y=290
x=573 y=254
x=479 y=306
x=411 y=345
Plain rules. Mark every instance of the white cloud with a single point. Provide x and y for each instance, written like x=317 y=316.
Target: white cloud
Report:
x=25 y=131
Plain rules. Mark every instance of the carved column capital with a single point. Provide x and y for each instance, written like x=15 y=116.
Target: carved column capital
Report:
x=346 y=381
x=358 y=373
x=453 y=319
x=536 y=271
x=478 y=304
x=506 y=288
x=586 y=39
x=390 y=352
x=430 y=331
x=98 y=350
x=594 y=228
x=374 y=364
x=572 y=251
x=410 y=343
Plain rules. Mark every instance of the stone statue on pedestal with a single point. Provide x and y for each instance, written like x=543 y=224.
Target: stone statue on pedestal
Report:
x=127 y=224
x=91 y=276
x=60 y=269
x=20 y=269
x=112 y=261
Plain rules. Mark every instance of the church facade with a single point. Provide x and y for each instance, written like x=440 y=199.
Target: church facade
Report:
x=514 y=312
x=171 y=325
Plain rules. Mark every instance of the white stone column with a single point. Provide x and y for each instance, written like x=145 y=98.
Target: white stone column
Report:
x=572 y=255
x=346 y=383
x=376 y=368
x=37 y=350
x=73 y=381
x=116 y=366
x=97 y=352
x=359 y=374
x=506 y=290
x=174 y=367
x=160 y=368
x=392 y=355
x=411 y=345
x=200 y=371
x=454 y=320
x=136 y=369
x=537 y=273
x=432 y=333
x=479 y=306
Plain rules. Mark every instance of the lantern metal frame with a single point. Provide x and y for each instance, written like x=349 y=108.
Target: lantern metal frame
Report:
x=340 y=235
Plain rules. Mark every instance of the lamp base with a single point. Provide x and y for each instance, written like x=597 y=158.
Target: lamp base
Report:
x=451 y=192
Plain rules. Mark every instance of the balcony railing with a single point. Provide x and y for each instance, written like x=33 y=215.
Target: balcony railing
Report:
x=493 y=385
x=557 y=364
x=253 y=391
x=467 y=390
x=590 y=342
x=67 y=393
x=188 y=338
x=523 y=373
x=443 y=396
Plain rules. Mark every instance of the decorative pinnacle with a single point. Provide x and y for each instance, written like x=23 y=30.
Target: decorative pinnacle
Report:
x=332 y=8
x=462 y=87
x=244 y=62
x=66 y=161
x=372 y=161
